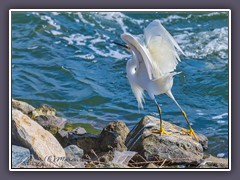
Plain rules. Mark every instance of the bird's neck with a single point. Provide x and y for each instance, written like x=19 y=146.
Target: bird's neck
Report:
x=131 y=67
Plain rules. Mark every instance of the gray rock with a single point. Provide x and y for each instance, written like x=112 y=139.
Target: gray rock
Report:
x=176 y=148
x=43 y=110
x=68 y=137
x=74 y=156
x=111 y=141
x=22 y=106
x=31 y=135
x=203 y=140
x=110 y=165
x=73 y=153
x=119 y=127
x=113 y=136
x=20 y=156
x=213 y=162
x=106 y=156
x=62 y=137
x=51 y=123
x=87 y=142
x=78 y=130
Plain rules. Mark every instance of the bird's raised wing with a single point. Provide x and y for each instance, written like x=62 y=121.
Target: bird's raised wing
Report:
x=160 y=49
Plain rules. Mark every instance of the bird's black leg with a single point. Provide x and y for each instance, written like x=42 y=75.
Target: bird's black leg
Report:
x=161 y=130
x=160 y=115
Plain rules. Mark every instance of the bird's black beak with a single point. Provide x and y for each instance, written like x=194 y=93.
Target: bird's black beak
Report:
x=122 y=45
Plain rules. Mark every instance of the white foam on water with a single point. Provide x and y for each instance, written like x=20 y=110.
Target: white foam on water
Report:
x=50 y=21
x=113 y=16
x=82 y=19
x=76 y=20
x=33 y=47
x=184 y=29
x=97 y=51
x=199 y=112
x=220 y=116
x=79 y=39
x=213 y=14
x=65 y=69
x=221 y=122
x=35 y=13
x=203 y=44
x=118 y=55
x=171 y=18
x=55 y=33
x=86 y=56
x=55 y=13
x=97 y=40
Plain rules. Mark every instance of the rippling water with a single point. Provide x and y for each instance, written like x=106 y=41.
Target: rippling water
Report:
x=67 y=60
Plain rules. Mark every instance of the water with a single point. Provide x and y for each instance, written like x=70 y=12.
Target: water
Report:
x=67 y=60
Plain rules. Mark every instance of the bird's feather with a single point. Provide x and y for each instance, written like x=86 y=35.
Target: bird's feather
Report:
x=138 y=92
x=160 y=51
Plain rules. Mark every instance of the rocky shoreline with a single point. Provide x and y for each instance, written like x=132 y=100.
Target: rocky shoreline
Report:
x=41 y=139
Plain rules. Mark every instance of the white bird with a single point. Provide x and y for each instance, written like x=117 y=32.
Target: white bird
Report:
x=151 y=69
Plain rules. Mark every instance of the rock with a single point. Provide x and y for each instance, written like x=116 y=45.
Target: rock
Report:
x=73 y=153
x=113 y=136
x=111 y=141
x=51 y=123
x=87 y=127
x=177 y=148
x=43 y=110
x=87 y=142
x=31 y=135
x=214 y=162
x=78 y=130
x=151 y=165
x=62 y=137
x=106 y=156
x=203 y=140
x=22 y=106
x=20 y=156
x=109 y=165
x=74 y=156
x=119 y=127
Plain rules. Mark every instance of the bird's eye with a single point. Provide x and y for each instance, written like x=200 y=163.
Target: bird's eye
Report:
x=135 y=69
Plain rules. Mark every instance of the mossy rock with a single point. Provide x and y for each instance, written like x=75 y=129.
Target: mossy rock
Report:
x=88 y=127
x=53 y=130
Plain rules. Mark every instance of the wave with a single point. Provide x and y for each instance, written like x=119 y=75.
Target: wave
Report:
x=220 y=116
x=196 y=44
x=205 y=44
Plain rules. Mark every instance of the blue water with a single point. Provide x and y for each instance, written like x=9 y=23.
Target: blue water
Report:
x=68 y=61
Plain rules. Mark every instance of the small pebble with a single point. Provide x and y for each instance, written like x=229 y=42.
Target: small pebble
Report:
x=221 y=155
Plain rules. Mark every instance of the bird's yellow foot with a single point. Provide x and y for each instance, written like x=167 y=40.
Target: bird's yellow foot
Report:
x=161 y=131
x=191 y=133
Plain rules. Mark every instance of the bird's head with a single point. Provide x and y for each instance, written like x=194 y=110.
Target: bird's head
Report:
x=128 y=39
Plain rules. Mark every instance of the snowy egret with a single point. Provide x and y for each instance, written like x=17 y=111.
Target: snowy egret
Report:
x=151 y=69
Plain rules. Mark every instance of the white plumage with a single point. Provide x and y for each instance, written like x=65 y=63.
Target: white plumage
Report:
x=151 y=69
x=154 y=60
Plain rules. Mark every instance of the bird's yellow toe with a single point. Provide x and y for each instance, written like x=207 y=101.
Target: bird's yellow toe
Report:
x=191 y=133
x=161 y=132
